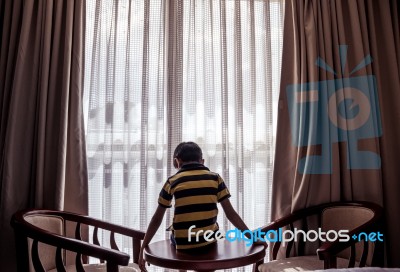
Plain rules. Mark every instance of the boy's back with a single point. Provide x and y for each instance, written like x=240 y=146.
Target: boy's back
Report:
x=197 y=191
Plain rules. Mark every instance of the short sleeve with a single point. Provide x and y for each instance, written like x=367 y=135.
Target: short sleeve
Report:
x=223 y=191
x=165 y=197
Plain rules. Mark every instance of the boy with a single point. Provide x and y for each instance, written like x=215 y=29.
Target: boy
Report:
x=197 y=191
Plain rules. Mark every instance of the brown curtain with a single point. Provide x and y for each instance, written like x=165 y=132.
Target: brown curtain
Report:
x=42 y=149
x=338 y=133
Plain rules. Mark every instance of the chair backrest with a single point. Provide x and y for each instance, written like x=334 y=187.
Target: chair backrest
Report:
x=53 y=224
x=42 y=243
x=348 y=218
x=360 y=217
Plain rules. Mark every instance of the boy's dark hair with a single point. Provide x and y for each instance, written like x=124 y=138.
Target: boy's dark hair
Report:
x=188 y=152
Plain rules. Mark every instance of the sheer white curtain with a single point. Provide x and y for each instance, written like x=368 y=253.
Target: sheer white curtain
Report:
x=160 y=72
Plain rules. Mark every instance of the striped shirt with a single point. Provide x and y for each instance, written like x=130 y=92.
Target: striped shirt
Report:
x=197 y=191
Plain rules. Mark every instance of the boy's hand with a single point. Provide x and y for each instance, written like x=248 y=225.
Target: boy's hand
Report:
x=142 y=262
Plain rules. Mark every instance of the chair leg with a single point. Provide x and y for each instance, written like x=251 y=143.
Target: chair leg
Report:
x=255 y=266
x=111 y=267
x=330 y=262
x=21 y=246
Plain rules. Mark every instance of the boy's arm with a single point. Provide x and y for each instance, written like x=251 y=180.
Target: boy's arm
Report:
x=151 y=230
x=232 y=215
x=236 y=220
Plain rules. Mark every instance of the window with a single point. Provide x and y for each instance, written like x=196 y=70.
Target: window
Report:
x=160 y=72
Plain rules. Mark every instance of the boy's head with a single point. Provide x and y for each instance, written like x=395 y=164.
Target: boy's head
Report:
x=187 y=152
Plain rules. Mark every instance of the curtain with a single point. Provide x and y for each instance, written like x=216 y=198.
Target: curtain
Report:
x=161 y=72
x=42 y=147
x=337 y=130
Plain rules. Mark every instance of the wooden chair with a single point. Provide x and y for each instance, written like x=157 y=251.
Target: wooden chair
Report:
x=356 y=217
x=42 y=244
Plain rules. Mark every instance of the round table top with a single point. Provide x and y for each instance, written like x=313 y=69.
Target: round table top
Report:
x=223 y=255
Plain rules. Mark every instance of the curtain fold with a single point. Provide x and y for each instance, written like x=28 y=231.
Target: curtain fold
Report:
x=43 y=163
x=337 y=129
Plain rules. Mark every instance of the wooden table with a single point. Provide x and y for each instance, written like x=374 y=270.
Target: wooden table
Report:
x=223 y=255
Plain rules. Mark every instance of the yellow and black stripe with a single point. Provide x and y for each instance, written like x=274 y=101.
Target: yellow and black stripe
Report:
x=197 y=191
